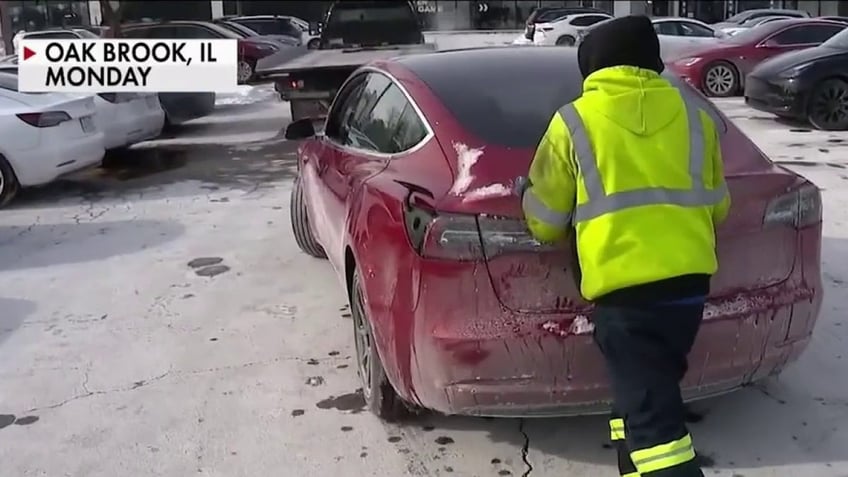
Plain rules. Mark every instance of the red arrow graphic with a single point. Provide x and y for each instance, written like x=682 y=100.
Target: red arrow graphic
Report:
x=28 y=53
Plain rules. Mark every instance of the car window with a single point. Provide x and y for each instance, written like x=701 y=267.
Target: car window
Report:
x=45 y=35
x=805 y=34
x=342 y=108
x=694 y=30
x=263 y=27
x=410 y=129
x=160 y=32
x=191 y=32
x=588 y=20
x=667 y=28
x=377 y=126
x=375 y=85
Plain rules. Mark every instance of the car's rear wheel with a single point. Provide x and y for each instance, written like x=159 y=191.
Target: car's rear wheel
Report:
x=828 y=105
x=300 y=223
x=721 y=80
x=9 y=185
x=313 y=44
x=245 y=70
x=380 y=396
x=565 y=40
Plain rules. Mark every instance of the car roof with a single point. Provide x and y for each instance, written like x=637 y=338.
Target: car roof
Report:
x=675 y=19
x=454 y=62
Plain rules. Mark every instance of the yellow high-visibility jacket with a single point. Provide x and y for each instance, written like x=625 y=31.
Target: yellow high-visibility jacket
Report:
x=636 y=170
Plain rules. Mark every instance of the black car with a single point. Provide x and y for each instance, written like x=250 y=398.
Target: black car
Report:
x=548 y=14
x=808 y=84
x=246 y=32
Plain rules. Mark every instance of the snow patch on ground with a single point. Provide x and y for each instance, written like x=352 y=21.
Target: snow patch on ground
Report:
x=466 y=157
x=246 y=94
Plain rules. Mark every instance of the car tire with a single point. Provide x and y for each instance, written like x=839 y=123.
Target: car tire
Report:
x=565 y=40
x=9 y=185
x=245 y=70
x=313 y=44
x=827 y=107
x=721 y=80
x=379 y=394
x=300 y=224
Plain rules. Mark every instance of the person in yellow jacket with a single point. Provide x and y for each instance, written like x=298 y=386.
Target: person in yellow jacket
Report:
x=633 y=168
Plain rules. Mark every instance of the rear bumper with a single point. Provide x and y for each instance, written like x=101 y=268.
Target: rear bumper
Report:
x=181 y=107
x=478 y=359
x=44 y=164
x=779 y=97
x=125 y=130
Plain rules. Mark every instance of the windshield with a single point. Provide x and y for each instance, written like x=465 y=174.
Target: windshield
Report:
x=840 y=41
x=751 y=35
x=373 y=12
x=240 y=30
x=739 y=17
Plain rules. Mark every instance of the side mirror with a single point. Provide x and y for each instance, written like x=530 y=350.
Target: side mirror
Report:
x=301 y=129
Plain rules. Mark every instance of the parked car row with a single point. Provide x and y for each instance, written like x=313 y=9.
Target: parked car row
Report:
x=44 y=136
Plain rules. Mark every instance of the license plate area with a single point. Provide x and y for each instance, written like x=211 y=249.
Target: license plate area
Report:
x=87 y=124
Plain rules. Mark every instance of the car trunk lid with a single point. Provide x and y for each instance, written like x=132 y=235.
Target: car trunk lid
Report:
x=539 y=279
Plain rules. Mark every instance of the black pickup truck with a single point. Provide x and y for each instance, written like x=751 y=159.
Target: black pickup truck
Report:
x=354 y=33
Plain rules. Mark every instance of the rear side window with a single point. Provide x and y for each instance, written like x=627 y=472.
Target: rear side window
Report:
x=588 y=20
x=8 y=82
x=379 y=124
x=806 y=34
x=666 y=28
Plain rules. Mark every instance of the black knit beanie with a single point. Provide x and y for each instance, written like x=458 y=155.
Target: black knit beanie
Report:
x=624 y=41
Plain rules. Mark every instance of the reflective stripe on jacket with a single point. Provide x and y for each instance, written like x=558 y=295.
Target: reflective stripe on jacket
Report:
x=637 y=171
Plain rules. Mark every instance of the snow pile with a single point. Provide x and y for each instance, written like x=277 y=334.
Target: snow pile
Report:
x=245 y=94
x=466 y=158
x=489 y=191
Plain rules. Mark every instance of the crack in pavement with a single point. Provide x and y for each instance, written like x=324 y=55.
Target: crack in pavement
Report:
x=525 y=449
x=171 y=373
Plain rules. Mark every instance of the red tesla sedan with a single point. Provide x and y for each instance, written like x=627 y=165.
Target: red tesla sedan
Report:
x=720 y=69
x=455 y=307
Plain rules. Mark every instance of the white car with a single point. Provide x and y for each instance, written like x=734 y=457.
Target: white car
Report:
x=566 y=30
x=128 y=118
x=43 y=136
x=754 y=22
x=679 y=36
x=56 y=34
x=123 y=118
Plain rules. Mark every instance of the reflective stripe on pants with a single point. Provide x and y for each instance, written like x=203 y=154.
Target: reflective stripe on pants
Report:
x=664 y=456
x=616 y=429
x=600 y=202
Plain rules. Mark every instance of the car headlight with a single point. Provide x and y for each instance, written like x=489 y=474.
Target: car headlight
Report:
x=266 y=47
x=793 y=72
x=688 y=61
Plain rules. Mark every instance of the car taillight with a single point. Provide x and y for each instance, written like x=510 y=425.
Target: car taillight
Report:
x=469 y=237
x=800 y=208
x=44 y=120
x=296 y=84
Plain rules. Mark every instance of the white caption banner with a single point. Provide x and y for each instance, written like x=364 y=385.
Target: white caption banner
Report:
x=127 y=66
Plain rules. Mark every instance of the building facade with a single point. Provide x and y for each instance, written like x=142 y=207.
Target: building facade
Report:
x=435 y=14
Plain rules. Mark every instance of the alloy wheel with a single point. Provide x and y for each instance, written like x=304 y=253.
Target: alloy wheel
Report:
x=362 y=341
x=2 y=181
x=829 y=106
x=720 y=80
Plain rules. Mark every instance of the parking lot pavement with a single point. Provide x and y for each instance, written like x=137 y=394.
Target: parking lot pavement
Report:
x=158 y=320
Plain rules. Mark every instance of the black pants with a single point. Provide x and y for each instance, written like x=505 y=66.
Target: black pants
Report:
x=645 y=348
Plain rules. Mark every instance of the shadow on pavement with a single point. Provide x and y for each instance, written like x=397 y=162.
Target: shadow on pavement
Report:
x=797 y=419
x=243 y=167
x=44 y=245
x=13 y=312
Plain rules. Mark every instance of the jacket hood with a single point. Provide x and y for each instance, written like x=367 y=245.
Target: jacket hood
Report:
x=637 y=99
x=621 y=41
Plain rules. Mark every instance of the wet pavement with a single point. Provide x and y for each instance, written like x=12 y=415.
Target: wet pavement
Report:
x=158 y=320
